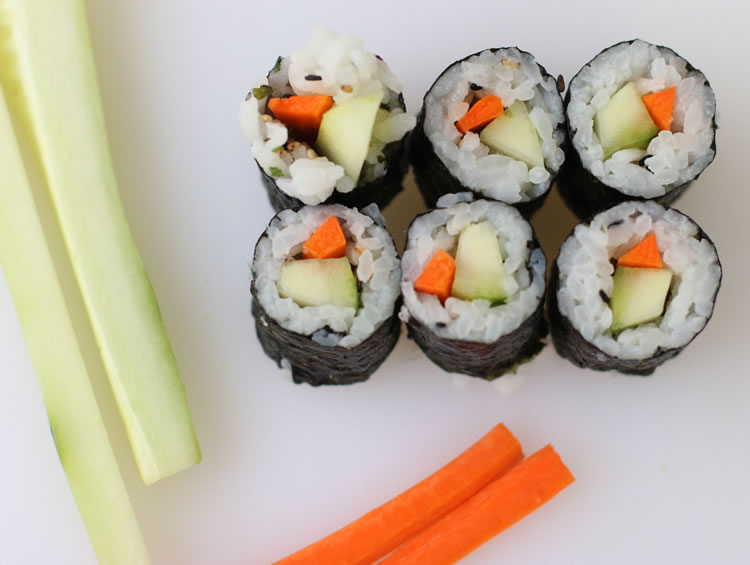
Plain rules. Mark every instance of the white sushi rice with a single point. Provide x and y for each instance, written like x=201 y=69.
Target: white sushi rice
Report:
x=512 y=75
x=346 y=71
x=675 y=156
x=472 y=320
x=369 y=247
x=585 y=270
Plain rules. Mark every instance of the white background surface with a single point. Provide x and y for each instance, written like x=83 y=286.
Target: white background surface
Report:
x=661 y=462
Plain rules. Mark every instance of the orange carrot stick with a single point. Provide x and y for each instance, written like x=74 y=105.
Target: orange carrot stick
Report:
x=644 y=255
x=437 y=277
x=480 y=114
x=327 y=242
x=496 y=507
x=383 y=529
x=659 y=106
x=301 y=113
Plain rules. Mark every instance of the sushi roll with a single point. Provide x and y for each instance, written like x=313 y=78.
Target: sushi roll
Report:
x=473 y=286
x=325 y=289
x=493 y=124
x=328 y=125
x=631 y=288
x=642 y=125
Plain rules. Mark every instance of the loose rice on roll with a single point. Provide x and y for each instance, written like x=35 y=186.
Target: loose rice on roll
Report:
x=328 y=124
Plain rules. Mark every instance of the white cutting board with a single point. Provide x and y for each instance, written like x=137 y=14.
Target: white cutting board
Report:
x=661 y=462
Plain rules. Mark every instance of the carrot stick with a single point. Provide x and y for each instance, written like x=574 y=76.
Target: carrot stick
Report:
x=659 y=106
x=496 y=507
x=480 y=114
x=383 y=529
x=301 y=113
x=437 y=277
x=327 y=242
x=644 y=255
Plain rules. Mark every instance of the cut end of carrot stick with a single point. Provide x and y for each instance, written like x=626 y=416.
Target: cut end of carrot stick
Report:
x=480 y=114
x=327 y=242
x=660 y=105
x=645 y=255
x=303 y=114
x=437 y=277
x=499 y=505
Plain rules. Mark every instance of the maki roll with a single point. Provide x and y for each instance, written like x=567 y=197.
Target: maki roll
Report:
x=632 y=287
x=325 y=291
x=328 y=124
x=473 y=286
x=642 y=125
x=492 y=124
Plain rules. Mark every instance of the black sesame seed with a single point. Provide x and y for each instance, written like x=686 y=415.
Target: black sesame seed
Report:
x=560 y=83
x=475 y=86
x=616 y=223
x=603 y=296
x=313 y=77
x=440 y=324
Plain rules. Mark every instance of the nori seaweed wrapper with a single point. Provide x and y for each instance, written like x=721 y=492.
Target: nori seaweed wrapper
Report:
x=583 y=192
x=570 y=344
x=484 y=360
x=433 y=177
x=318 y=364
x=380 y=191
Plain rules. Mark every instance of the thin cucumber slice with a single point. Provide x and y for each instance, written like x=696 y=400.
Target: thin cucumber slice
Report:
x=47 y=70
x=80 y=436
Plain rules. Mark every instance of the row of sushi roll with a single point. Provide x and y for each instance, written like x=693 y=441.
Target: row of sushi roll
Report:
x=632 y=285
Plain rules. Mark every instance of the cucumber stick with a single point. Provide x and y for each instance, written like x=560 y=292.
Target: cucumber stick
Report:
x=80 y=437
x=47 y=71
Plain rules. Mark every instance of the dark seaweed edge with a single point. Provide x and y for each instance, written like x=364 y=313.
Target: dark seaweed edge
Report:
x=484 y=360
x=570 y=344
x=585 y=194
x=433 y=177
x=318 y=364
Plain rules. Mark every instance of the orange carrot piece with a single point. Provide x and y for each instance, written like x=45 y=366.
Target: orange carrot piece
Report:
x=437 y=277
x=644 y=255
x=381 y=530
x=480 y=114
x=495 y=508
x=659 y=106
x=301 y=113
x=327 y=242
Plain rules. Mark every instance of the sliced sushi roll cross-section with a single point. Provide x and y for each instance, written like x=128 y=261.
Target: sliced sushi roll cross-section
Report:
x=642 y=125
x=325 y=293
x=493 y=124
x=632 y=287
x=328 y=124
x=473 y=286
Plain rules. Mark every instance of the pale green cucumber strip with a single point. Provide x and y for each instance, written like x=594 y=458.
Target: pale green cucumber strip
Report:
x=80 y=437
x=47 y=70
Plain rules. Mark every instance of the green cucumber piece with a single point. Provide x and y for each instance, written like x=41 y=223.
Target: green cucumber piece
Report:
x=479 y=265
x=345 y=132
x=624 y=122
x=47 y=70
x=80 y=436
x=513 y=134
x=318 y=282
x=638 y=296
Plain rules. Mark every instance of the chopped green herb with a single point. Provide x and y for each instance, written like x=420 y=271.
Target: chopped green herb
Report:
x=277 y=149
x=277 y=66
x=275 y=171
x=262 y=91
